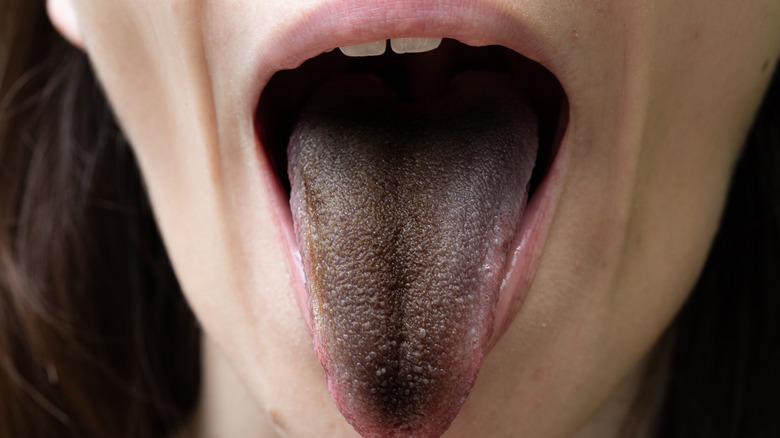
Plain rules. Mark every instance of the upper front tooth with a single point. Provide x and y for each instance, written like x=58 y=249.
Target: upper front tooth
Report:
x=414 y=45
x=366 y=49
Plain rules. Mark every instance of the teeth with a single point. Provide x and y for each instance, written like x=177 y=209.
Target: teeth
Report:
x=375 y=48
x=414 y=45
x=399 y=45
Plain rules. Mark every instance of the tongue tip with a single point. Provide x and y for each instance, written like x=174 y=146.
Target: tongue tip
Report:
x=372 y=420
x=424 y=431
x=427 y=424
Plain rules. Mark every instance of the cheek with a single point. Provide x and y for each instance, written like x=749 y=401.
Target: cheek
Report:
x=148 y=63
x=193 y=136
x=653 y=153
x=649 y=190
x=699 y=107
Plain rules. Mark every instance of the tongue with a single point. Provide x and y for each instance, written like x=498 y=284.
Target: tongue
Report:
x=404 y=213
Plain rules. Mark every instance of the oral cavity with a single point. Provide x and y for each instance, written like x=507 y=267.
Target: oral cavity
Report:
x=407 y=176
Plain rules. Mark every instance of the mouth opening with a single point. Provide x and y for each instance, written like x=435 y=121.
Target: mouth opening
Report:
x=415 y=77
x=404 y=256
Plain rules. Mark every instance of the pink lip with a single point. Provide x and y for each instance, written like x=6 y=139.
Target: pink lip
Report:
x=477 y=23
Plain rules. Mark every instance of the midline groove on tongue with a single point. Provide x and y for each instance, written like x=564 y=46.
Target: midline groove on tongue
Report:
x=404 y=214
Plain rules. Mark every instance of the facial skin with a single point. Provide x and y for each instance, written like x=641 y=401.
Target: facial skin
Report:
x=661 y=95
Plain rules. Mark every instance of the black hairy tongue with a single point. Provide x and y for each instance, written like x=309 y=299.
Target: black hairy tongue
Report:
x=404 y=213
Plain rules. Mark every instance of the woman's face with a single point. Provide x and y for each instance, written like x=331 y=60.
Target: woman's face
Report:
x=658 y=98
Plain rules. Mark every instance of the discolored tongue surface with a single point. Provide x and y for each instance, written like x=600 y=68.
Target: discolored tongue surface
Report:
x=404 y=214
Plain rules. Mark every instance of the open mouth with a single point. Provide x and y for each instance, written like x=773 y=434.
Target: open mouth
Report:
x=415 y=77
x=409 y=177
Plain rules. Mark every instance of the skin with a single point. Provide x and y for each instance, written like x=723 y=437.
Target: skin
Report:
x=661 y=96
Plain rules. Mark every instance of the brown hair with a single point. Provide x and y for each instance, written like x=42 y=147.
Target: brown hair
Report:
x=96 y=339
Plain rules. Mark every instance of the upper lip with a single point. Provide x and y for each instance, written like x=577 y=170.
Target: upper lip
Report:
x=332 y=24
